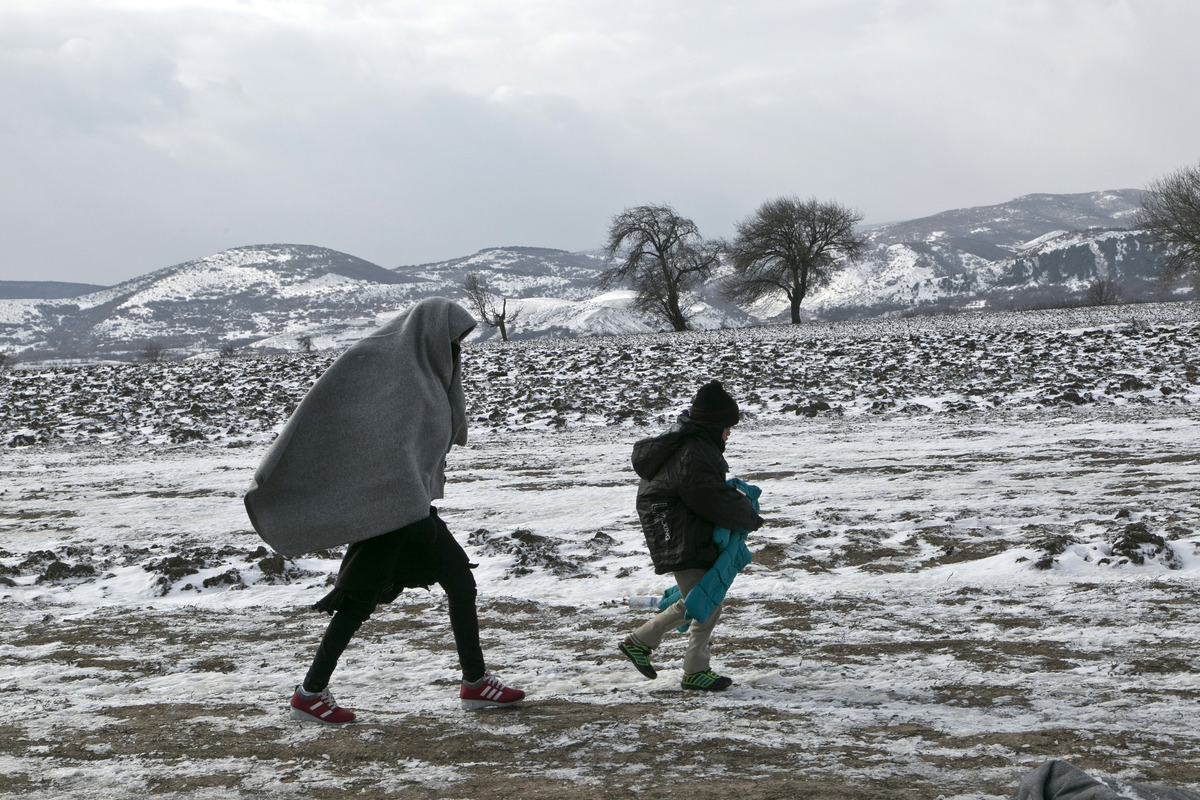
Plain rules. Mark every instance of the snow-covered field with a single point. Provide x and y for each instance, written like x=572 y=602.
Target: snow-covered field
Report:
x=982 y=551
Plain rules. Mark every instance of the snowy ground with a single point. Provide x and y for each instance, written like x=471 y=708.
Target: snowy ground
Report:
x=966 y=571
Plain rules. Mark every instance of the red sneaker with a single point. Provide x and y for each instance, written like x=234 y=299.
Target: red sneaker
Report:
x=320 y=708
x=490 y=692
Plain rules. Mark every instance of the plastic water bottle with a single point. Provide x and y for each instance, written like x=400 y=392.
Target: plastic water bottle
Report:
x=642 y=602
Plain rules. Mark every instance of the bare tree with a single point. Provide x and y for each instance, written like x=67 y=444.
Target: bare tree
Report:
x=485 y=304
x=1170 y=212
x=306 y=343
x=228 y=350
x=1103 y=291
x=153 y=352
x=791 y=245
x=662 y=256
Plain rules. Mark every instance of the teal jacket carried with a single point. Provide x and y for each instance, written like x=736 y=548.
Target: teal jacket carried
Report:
x=732 y=558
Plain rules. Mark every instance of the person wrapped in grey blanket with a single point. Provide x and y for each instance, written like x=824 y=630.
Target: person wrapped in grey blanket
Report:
x=360 y=462
x=1059 y=780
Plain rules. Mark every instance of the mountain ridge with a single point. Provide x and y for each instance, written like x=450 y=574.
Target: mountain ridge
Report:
x=1036 y=249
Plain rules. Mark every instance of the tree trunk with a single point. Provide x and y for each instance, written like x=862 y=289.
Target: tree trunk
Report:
x=675 y=313
x=678 y=320
x=796 y=295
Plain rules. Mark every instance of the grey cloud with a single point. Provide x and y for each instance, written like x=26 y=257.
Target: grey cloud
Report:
x=403 y=133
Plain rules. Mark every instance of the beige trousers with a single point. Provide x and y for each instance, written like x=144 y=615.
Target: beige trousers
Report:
x=651 y=634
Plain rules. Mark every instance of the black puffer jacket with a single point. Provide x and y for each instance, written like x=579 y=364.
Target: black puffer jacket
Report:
x=683 y=495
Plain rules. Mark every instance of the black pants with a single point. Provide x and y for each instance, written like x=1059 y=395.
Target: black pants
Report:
x=355 y=606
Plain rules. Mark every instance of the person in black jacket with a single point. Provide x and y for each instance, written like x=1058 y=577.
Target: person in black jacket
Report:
x=682 y=496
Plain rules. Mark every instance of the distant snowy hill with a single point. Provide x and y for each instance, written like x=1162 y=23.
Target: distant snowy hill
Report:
x=266 y=298
x=1035 y=250
x=44 y=290
x=237 y=296
x=519 y=272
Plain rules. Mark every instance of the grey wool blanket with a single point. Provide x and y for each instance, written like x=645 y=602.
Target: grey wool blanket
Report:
x=1058 y=780
x=365 y=451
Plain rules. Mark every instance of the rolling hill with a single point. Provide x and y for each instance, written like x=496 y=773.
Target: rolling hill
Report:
x=1036 y=250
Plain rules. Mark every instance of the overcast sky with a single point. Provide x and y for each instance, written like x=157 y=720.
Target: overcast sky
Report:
x=137 y=134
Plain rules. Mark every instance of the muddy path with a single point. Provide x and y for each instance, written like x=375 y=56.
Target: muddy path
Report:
x=936 y=693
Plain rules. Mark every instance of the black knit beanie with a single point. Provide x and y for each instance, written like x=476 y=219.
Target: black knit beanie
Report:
x=713 y=404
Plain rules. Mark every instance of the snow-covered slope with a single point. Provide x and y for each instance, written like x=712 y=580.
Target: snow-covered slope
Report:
x=1035 y=250
x=236 y=296
x=519 y=272
x=266 y=298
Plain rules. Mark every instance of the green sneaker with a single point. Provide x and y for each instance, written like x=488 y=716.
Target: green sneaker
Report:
x=639 y=654
x=706 y=681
